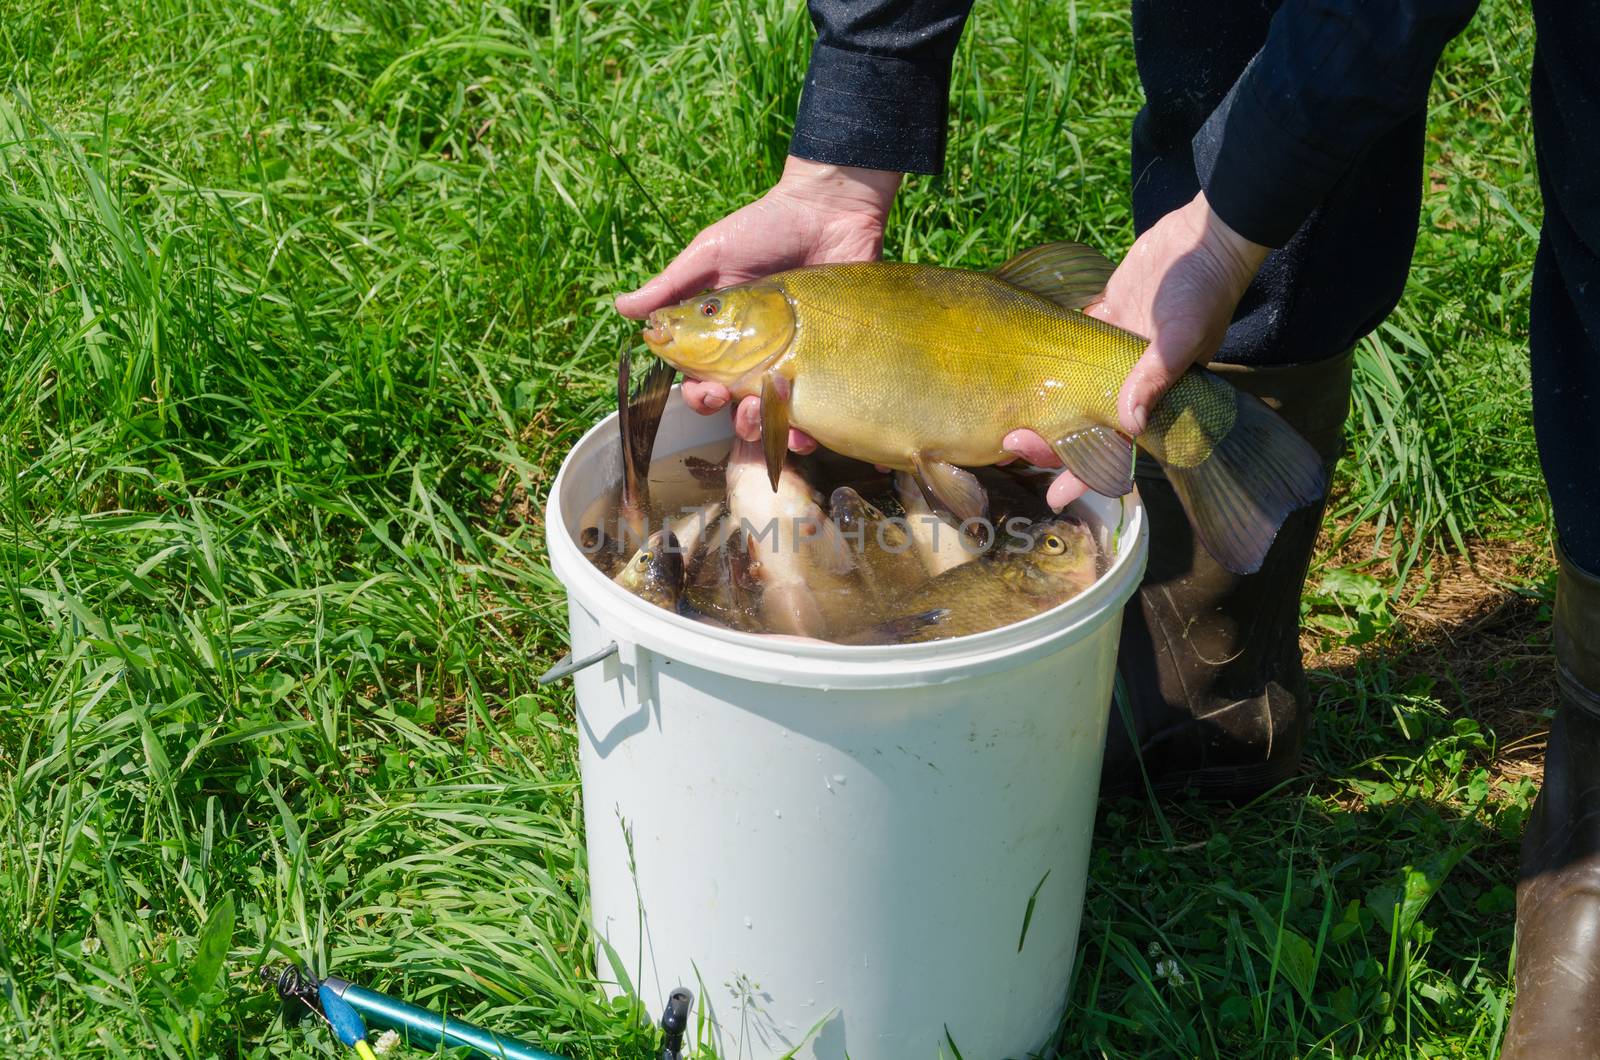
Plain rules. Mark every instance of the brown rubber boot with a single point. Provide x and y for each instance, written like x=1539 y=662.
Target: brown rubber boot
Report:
x=1210 y=660
x=1557 y=1013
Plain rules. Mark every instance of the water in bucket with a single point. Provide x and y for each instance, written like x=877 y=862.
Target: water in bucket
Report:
x=839 y=551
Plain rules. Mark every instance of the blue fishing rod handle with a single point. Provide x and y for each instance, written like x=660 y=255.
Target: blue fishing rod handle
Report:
x=428 y=1030
x=342 y=1016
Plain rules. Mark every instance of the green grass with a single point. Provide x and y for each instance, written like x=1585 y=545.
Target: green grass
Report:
x=300 y=304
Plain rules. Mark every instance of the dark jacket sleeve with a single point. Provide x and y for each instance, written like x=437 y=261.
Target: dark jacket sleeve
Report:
x=1333 y=76
x=877 y=92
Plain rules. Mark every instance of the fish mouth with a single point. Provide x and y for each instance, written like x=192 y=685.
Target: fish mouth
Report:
x=655 y=333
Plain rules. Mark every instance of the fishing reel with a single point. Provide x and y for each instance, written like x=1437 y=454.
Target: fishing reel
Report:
x=297 y=990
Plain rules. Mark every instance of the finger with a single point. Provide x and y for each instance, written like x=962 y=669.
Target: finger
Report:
x=747 y=425
x=1030 y=447
x=1161 y=365
x=1066 y=488
x=704 y=397
x=747 y=419
x=695 y=269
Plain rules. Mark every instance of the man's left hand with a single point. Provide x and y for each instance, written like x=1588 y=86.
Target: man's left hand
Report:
x=1178 y=287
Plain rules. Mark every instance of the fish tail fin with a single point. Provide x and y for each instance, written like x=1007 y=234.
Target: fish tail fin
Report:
x=1238 y=496
x=897 y=630
x=639 y=417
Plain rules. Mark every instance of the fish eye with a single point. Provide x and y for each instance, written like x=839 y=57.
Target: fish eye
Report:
x=1054 y=545
x=710 y=307
x=644 y=557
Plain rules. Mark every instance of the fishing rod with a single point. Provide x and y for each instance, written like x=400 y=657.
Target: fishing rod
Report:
x=349 y=1009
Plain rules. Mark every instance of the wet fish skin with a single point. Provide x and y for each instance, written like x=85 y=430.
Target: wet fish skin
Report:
x=1015 y=494
x=603 y=550
x=939 y=544
x=886 y=557
x=797 y=555
x=1026 y=573
x=924 y=370
x=722 y=586
x=655 y=573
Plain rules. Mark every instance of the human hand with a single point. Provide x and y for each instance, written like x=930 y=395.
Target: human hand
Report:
x=1177 y=287
x=814 y=215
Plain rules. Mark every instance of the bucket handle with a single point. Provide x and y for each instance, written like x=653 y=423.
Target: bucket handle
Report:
x=567 y=665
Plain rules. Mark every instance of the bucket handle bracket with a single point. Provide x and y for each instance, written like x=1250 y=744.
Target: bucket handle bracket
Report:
x=567 y=665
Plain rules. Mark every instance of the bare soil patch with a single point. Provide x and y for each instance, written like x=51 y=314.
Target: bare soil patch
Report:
x=1478 y=624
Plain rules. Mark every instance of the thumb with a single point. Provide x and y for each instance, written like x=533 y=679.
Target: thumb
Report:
x=1162 y=364
x=691 y=271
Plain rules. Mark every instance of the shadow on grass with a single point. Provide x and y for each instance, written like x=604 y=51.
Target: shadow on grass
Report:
x=1365 y=908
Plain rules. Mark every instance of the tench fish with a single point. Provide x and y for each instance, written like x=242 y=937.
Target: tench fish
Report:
x=721 y=584
x=926 y=369
x=797 y=555
x=886 y=559
x=655 y=573
x=1022 y=575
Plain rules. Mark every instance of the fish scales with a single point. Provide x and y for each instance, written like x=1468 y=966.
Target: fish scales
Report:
x=925 y=369
x=985 y=353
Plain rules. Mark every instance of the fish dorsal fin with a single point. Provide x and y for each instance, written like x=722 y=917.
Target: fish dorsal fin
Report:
x=1099 y=456
x=1071 y=275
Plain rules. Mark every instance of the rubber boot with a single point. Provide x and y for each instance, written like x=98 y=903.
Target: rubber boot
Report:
x=1557 y=1013
x=1210 y=660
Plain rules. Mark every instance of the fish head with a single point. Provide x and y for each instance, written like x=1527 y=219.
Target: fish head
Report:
x=850 y=511
x=724 y=336
x=1054 y=551
x=862 y=523
x=655 y=573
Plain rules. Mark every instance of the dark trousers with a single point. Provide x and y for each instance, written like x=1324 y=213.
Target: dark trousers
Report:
x=1564 y=329
x=1346 y=267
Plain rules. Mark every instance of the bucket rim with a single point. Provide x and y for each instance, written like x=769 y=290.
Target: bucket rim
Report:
x=778 y=659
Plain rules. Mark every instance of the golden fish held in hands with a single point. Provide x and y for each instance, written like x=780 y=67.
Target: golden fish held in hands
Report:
x=925 y=369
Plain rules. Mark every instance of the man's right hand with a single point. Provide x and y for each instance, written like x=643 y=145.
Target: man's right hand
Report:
x=814 y=215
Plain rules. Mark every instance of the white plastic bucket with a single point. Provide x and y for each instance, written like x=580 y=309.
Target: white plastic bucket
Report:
x=837 y=847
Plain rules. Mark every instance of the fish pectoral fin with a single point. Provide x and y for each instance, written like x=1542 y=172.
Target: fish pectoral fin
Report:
x=1072 y=275
x=1100 y=456
x=775 y=392
x=949 y=490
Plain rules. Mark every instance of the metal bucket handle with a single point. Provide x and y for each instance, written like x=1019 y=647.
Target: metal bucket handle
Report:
x=567 y=665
